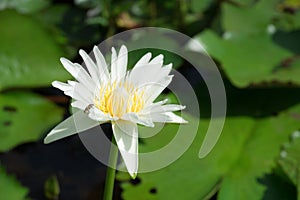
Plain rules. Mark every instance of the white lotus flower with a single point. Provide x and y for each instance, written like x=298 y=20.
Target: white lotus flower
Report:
x=124 y=98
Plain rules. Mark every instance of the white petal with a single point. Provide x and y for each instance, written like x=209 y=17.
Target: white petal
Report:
x=113 y=66
x=143 y=119
x=91 y=66
x=153 y=106
x=62 y=86
x=79 y=92
x=167 y=108
x=126 y=135
x=84 y=78
x=78 y=72
x=165 y=71
x=152 y=93
x=150 y=73
x=69 y=66
x=167 y=117
x=74 y=90
x=101 y=63
x=145 y=75
x=78 y=122
x=96 y=114
x=143 y=61
x=157 y=60
x=79 y=104
x=122 y=62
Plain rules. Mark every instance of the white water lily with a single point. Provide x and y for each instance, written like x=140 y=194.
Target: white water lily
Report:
x=124 y=98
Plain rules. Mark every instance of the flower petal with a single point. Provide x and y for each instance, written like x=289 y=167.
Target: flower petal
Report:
x=167 y=117
x=126 y=135
x=143 y=61
x=156 y=89
x=150 y=73
x=167 y=108
x=139 y=119
x=76 y=123
x=84 y=78
x=78 y=92
x=157 y=60
x=113 y=66
x=122 y=62
x=96 y=114
x=119 y=63
x=91 y=66
x=153 y=106
x=62 y=86
x=79 y=104
x=145 y=75
x=101 y=63
x=78 y=72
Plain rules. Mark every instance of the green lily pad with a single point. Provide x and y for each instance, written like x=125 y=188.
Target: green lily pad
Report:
x=24 y=117
x=250 y=50
x=236 y=165
x=290 y=159
x=246 y=59
x=24 y=6
x=257 y=158
x=29 y=54
x=247 y=20
x=10 y=188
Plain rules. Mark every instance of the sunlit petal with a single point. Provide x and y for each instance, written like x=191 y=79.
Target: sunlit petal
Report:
x=167 y=117
x=113 y=65
x=101 y=63
x=122 y=62
x=78 y=122
x=126 y=135
x=145 y=120
x=91 y=66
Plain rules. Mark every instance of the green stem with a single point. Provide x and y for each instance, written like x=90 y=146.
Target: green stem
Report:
x=111 y=171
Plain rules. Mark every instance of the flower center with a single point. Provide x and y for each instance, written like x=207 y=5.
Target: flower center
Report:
x=119 y=98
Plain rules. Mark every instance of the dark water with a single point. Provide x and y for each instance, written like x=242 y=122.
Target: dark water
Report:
x=80 y=175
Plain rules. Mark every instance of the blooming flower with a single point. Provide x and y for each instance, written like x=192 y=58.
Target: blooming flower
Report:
x=124 y=98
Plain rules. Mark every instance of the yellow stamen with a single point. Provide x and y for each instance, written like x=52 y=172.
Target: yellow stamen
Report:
x=119 y=98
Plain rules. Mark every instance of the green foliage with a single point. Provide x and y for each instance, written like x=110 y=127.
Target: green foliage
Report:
x=10 y=188
x=247 y=50
x=237 y=55
x=29 y=55
x=290 y=159
x=24 y=117
x=244 y=155
x=52 y=188
x=24 y=6
x=200 y=6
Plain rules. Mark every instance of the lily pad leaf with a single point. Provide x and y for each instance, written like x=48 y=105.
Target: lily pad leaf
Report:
x=247 y=20
x=29 y=59
x=251 y=51
x=290 y=159
x=24 y=117
x=244 y=180
x=235 y=166
x=246 y=58
x=24 y=6
x=200 y=176
x=10 y=188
